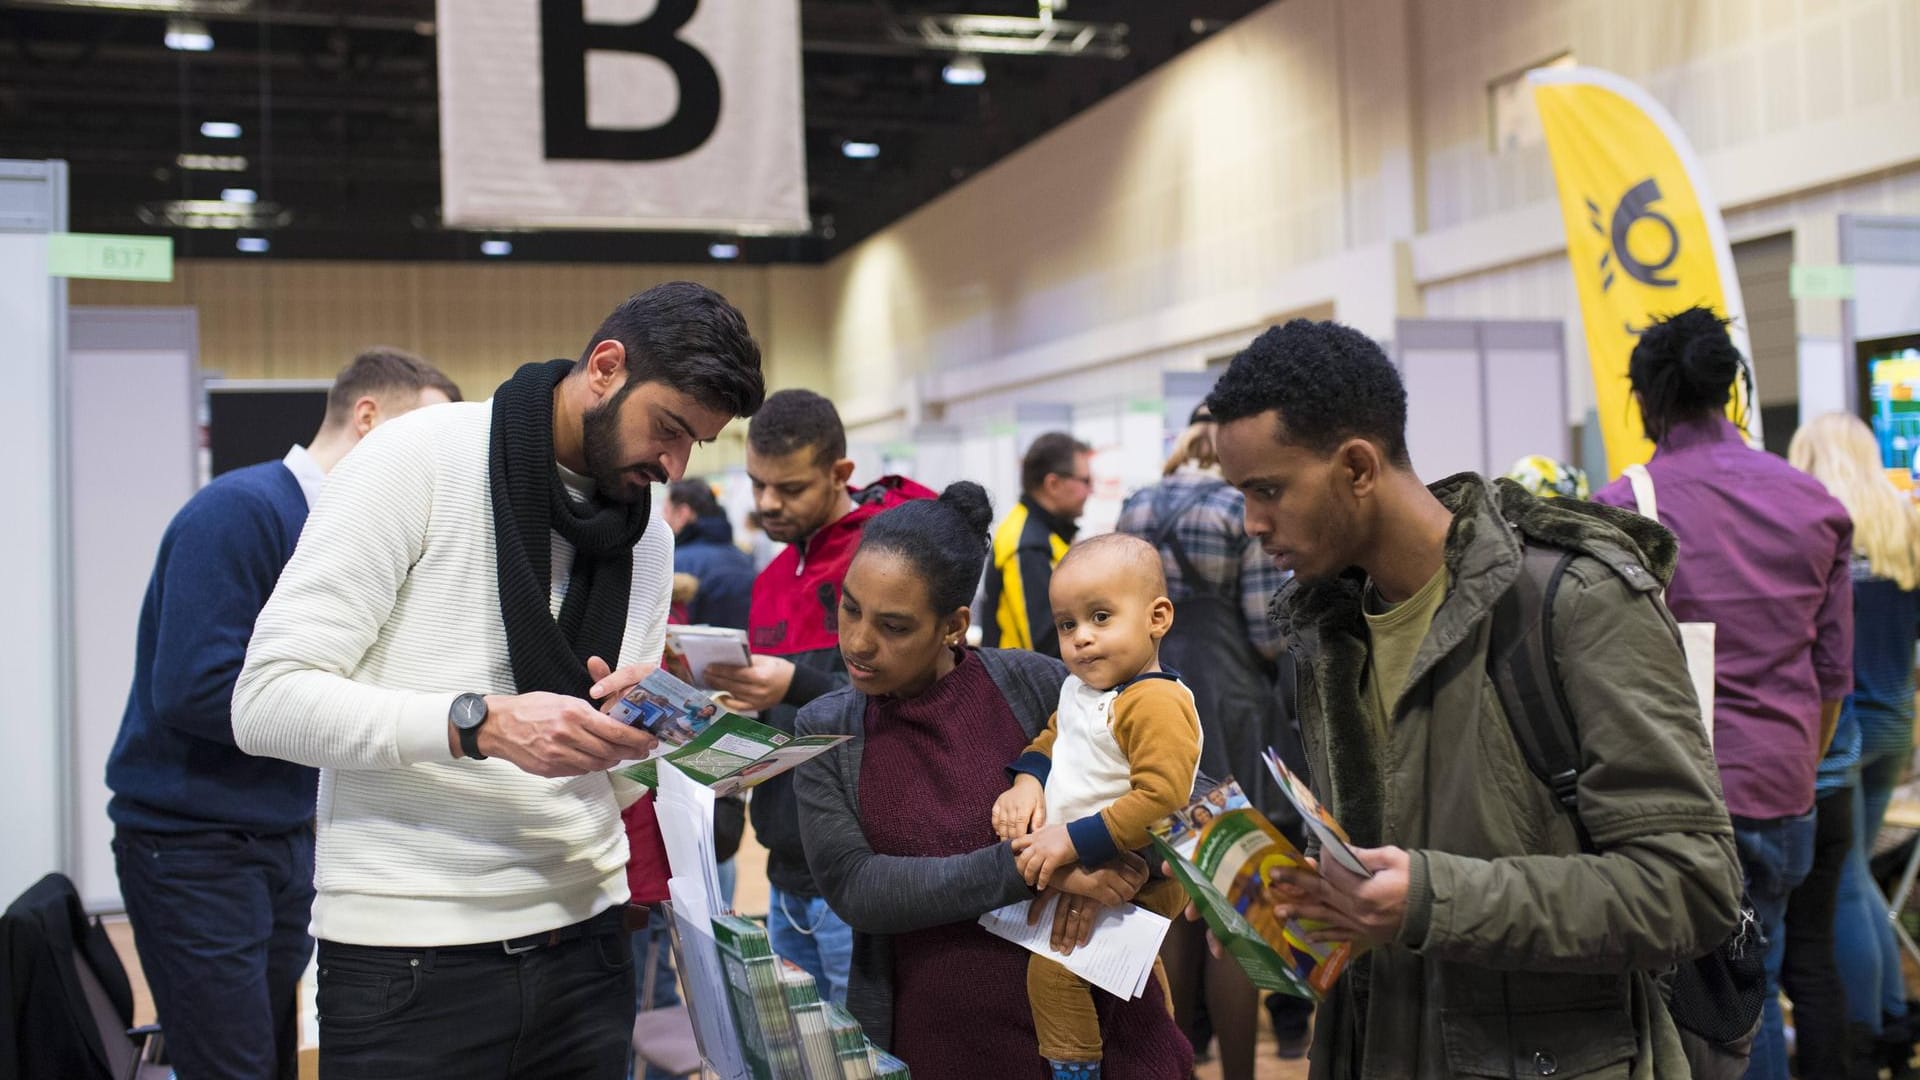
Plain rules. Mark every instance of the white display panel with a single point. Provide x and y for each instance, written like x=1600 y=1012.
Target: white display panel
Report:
x=133 y=434
x=32 y=618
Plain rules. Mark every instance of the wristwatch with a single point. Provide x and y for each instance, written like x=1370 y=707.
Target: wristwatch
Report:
x=468 y=713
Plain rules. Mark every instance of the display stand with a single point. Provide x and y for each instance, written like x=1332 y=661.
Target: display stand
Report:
x=697 y=958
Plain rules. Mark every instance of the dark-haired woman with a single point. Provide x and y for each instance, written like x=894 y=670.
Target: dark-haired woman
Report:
x=898 y=823
x=1764 y=554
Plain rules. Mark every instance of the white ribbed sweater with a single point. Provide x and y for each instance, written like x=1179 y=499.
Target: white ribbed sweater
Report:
x=388 y=610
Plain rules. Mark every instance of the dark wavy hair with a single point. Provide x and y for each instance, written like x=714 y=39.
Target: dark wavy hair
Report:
x=1328 y=383
x=686 y=336
x=944 y=540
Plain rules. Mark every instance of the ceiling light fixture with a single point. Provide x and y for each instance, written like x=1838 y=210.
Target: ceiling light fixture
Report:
x=860 y=151
x=252 y=245
x=212 y=162
x=220 y=129
x=496 y=248
x=964 y=71
x=239 y=195
x=724 y=250
x=188 y=35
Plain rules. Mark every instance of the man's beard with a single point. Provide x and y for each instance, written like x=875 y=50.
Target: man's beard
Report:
x=600 y=445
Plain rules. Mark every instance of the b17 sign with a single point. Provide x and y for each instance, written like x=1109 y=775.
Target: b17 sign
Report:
x=622 y=114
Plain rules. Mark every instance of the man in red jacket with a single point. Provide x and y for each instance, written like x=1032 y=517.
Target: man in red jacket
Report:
x=797 y=460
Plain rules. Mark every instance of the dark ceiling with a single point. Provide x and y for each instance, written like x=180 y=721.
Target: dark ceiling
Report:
x=338 y=102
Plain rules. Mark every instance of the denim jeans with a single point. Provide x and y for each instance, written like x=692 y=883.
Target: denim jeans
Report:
x=805 y=930
x=220 y=922
x=1809 y=975
x=1865 y=948
x=1775 y=857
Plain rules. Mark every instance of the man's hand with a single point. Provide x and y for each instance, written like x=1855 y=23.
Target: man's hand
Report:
x=1020 y=809
x=1110 y=886
x=609 y=684
x=1366 y=910
x=761 y=684
x=1044 y=853
x=555 y=735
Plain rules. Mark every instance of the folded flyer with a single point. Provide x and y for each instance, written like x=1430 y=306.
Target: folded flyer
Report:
x=690 y=649
x=1224 y=854
x=716 y=748
x=1332 y=838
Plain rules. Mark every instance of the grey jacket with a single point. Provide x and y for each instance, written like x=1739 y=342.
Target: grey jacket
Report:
x=883 y=895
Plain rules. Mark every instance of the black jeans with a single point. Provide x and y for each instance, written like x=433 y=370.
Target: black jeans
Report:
x=220 y=922
x=1808 y=974
x=560 y=1011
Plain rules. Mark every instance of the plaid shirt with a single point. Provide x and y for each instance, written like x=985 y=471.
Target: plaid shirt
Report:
x=1214 y=534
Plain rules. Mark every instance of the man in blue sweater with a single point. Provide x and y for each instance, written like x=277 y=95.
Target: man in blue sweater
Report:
x=703 y=547
x=214 y=846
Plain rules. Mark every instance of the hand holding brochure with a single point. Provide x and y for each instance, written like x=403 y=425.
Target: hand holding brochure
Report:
x=716 y=748
x=1224 y=853
x=691 y=648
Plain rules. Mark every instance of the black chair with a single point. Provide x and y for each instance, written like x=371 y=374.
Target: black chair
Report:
x=66 y=1006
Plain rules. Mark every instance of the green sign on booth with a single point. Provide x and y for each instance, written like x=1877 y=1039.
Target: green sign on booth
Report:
x=1821 y=282
x=125 y=258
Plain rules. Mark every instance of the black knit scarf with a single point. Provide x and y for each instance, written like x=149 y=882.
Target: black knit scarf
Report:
x=529 y=505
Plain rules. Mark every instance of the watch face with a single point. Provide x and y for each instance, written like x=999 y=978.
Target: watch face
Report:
x=469 y=710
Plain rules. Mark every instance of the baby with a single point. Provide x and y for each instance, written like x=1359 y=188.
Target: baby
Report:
x=1119 y=754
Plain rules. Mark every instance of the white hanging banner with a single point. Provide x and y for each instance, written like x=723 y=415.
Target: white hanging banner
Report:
x=622 y=114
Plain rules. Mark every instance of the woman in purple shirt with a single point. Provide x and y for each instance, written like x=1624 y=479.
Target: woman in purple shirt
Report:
x=1764 y=554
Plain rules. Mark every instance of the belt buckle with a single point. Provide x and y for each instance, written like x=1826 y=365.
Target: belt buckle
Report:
x=515 y=950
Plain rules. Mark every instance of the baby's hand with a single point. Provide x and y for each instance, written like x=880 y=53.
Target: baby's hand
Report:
x=1020 y=809
x=1045 y=853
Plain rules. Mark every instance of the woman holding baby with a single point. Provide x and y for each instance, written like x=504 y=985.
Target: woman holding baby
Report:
x=898 y=822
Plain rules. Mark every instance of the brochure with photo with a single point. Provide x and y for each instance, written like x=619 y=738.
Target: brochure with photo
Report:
x=1224 y=853
x=715 y=747
x=1331 y=837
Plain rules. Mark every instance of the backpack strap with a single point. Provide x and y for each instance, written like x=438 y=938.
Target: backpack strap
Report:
x=1164 y=536
x=1521 y=665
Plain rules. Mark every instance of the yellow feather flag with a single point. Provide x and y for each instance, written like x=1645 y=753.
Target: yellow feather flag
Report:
x=1644 y=236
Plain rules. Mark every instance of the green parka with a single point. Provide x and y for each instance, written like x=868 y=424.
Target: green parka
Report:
x=1519 y=955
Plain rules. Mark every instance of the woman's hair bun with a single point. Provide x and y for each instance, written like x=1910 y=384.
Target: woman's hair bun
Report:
x=971 y=500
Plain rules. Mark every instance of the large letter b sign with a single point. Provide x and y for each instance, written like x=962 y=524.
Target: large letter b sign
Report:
x=565 y=37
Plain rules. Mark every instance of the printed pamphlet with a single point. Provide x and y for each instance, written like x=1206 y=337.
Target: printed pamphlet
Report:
x=690 y=649
x=1332 y=838
x=1224 y=854
x=716 y=748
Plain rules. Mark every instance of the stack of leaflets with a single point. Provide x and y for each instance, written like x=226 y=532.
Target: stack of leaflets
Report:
x=1224 y=853
x=849 y=1044
x=809 y=1022
x=690 y=649
x=716 y=748
x=759 y=1002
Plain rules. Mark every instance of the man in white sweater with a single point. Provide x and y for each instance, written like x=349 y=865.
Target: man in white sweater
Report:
x=474 y=578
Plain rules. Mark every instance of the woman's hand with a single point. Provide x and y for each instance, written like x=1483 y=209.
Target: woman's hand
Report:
x=1020 y=809
x=1072 y=918
x=1110 y=886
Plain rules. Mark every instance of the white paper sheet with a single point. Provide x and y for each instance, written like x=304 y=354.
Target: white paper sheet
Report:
x=1118 y=960
x=700 y=969
x=685 y=810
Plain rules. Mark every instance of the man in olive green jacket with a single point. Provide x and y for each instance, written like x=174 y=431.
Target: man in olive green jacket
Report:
x=1495 y=946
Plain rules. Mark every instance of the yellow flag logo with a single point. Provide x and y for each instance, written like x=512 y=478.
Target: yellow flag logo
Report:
x=1642 y=234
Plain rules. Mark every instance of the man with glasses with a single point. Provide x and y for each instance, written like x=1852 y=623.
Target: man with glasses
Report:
x=1055 y=479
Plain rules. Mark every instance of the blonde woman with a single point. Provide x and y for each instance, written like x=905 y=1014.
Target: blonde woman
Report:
x=1840 y=451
